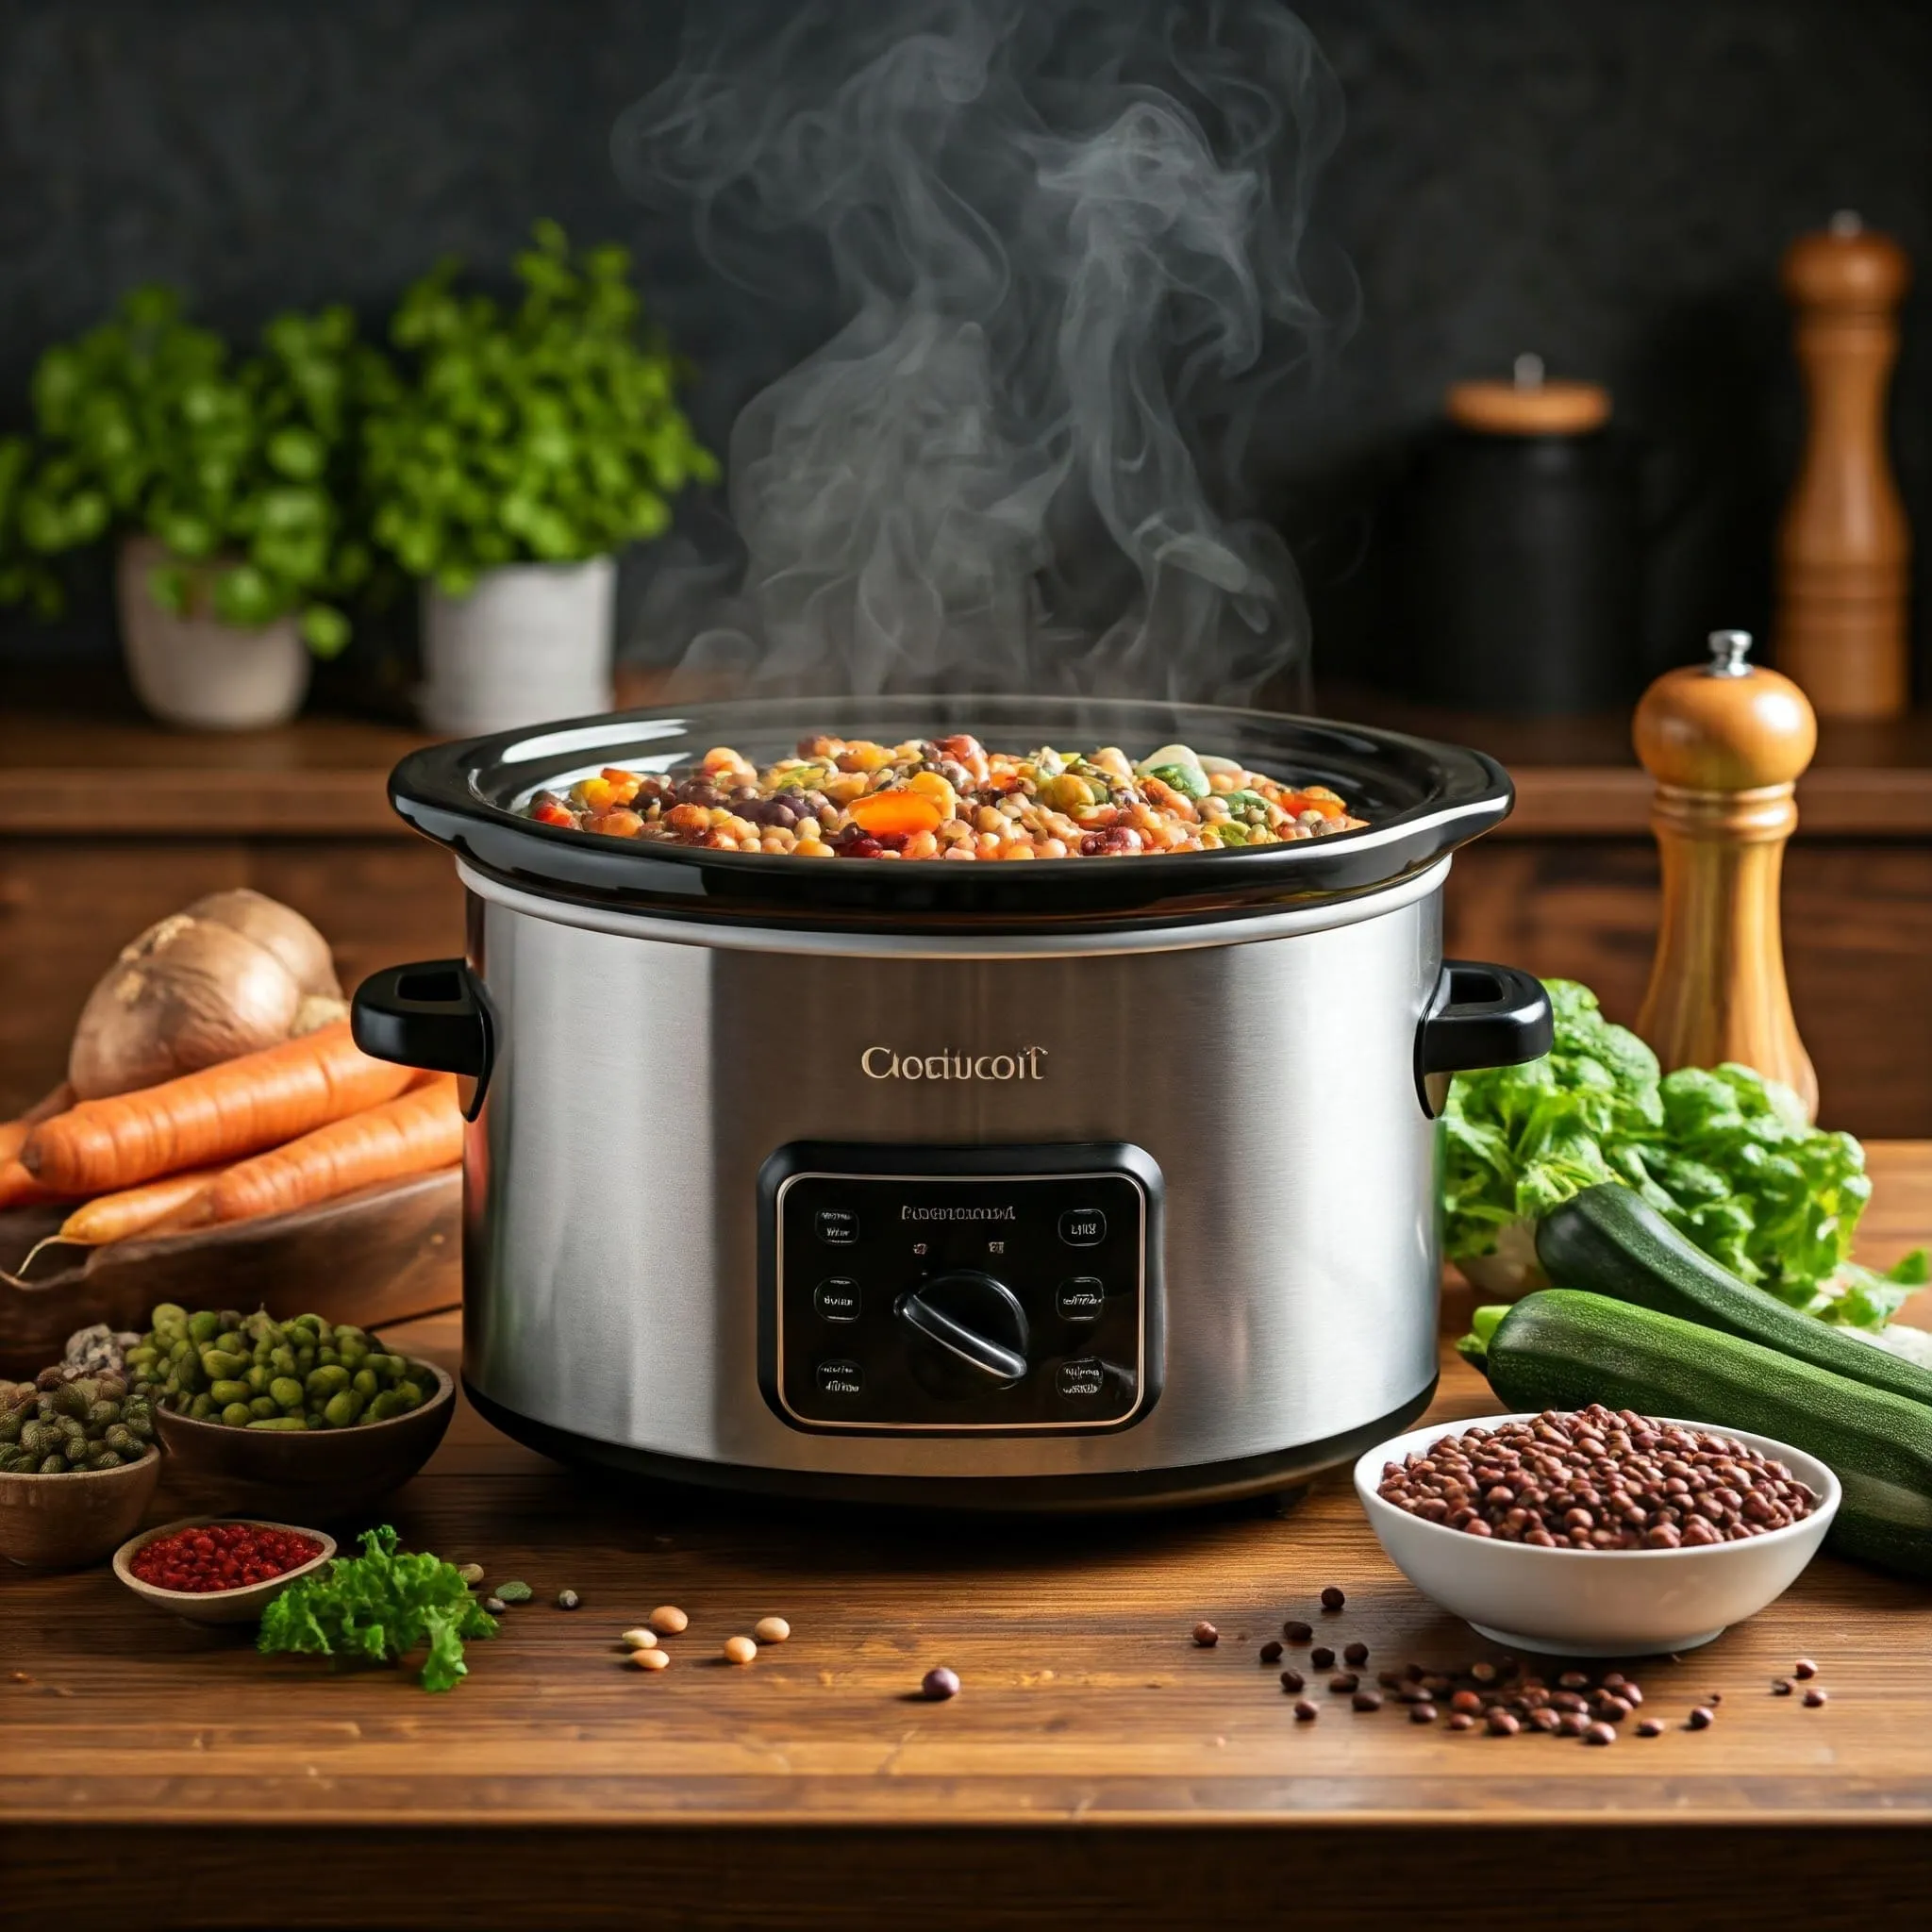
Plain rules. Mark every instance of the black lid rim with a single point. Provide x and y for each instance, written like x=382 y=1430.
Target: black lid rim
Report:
x=449 y=791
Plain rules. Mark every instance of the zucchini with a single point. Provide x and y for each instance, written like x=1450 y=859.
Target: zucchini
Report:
x=1561 y=1348
x=1609 y=1240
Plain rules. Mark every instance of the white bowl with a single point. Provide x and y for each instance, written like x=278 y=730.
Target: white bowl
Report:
x=1595 y=1603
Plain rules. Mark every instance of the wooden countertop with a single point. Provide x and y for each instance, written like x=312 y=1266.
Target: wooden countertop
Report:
x=1098 y=1765
x=74 y=765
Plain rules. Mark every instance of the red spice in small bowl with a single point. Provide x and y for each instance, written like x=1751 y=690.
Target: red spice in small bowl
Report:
x=215 y=1556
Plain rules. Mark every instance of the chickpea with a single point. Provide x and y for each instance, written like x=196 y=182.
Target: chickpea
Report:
x=651 y=1659
x=771 y=1630
x=740 y=1650
x=921 y=845
x=667 y=1620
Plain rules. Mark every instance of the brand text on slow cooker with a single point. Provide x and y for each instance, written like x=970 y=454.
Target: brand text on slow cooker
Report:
x=883 y=1063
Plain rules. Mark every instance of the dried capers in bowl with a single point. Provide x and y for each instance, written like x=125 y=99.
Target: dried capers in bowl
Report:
x=91 y=1422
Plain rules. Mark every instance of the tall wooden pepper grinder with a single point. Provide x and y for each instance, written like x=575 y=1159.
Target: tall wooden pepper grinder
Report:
x=1843 y=548
x=1725 y=742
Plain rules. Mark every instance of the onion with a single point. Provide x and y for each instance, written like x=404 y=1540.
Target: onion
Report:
x=233 y=974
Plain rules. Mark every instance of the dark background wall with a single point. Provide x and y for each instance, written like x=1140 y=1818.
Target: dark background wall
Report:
x=1608 y=182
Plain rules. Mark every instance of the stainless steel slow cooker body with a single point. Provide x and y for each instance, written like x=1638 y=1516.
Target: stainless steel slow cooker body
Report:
x=808 y=1204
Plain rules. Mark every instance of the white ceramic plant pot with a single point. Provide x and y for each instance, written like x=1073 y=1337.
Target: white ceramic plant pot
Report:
x=197 y=672
x=531 y=641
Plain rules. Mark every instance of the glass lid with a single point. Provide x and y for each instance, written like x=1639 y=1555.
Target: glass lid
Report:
x=1418 y=801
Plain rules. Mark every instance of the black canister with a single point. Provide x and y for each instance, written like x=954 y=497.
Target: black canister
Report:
x=1518 y=550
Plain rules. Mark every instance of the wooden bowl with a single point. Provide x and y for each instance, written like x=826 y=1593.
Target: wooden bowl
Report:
x=244 y=1605
x=385 y=1255
x=69 y=1522
x=319 y=1476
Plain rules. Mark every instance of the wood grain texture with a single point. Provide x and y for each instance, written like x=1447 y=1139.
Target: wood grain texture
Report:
x=1097 y=1764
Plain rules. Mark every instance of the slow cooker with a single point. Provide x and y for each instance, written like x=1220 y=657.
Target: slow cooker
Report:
x=1088 y=1182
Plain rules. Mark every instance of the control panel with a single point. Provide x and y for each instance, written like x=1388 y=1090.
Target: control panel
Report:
x=959 y=1290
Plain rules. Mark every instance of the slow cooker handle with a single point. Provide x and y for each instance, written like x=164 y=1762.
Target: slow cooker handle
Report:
x=1480 y=1016
x=427 y=1014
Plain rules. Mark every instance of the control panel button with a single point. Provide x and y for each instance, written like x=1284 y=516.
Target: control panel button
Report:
x=1083 y=1378
x=1083 y=1227
x=837 y=1300
x=1080 y=1299
x=838 y=1226
x=840 y=1377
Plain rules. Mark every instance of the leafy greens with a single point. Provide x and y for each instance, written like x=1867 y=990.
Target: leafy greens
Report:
x=1724 y=1155
x=380 y=1606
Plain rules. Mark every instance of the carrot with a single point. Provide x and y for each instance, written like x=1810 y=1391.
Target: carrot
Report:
x=896 y=813
x=421 y=1130
x=207 y=1117
x=18 y=1189
x=14 y=1133
x=118 y=1217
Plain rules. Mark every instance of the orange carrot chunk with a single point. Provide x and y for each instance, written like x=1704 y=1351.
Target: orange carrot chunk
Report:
x=207 y=1117
x=420 y=1131
x=897 y=814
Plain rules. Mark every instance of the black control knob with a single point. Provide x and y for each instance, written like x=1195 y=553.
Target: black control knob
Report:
x=974 y=1321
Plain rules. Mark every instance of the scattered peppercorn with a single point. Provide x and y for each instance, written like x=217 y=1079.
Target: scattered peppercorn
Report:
x=1205 y=1634
x=1271 y=1652
x=1355 y=1653
x=1332 y=1598
x=1298 y=1633
x=939 y=1684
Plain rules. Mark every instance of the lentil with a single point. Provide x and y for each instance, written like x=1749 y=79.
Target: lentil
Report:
x=667 y=1620
x=222 y=1555
x=1205 y=1634
x=771 y=1630
x=1597 y=1479
x=939 y=1684
x=948 y=799
x=651 y=1659
x=740 y=1650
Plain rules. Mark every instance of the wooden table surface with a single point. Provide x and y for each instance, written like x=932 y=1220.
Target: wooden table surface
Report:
x=1097 y=1765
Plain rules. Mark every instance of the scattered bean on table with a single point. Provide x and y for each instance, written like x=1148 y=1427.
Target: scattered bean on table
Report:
x=771 y=1630
x=740 y=1650
x=1205 y=1634
x=940 y=1684
x=667 y=1620
x=650 y=1659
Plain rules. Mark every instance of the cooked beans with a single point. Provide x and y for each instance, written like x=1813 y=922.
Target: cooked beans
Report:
x=948 y=799
x=1597 y=1479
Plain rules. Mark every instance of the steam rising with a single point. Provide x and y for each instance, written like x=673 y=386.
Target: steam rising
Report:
x=1065 y=236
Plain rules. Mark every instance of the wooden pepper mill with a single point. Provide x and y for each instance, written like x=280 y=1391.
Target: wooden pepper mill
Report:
x=1843 y=548
x=1725 y=742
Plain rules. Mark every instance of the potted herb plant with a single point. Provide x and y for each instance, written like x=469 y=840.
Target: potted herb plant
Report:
x=227 y=480
x=528 y=443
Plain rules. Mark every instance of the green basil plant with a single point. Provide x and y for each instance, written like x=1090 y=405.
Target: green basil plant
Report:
x=243 y=468
x=542 y=431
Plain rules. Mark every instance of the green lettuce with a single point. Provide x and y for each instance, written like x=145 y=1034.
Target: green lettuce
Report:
x=1724 y=1155
x=381 y=1605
